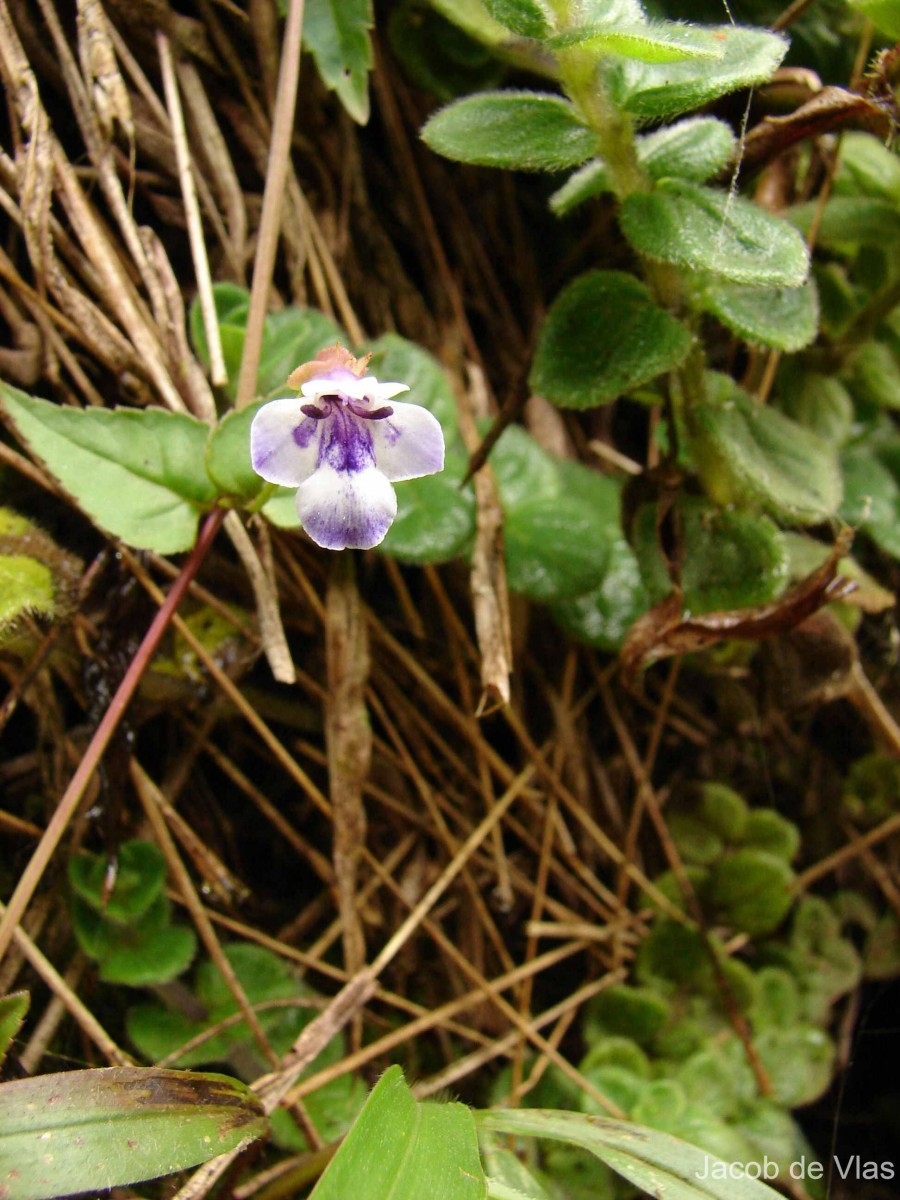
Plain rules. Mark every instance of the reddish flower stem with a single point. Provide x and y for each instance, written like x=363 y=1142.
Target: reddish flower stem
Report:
x=68 y=805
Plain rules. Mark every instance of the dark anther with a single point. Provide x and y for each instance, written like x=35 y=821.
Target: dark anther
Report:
x=379 y=414
x=310 y=410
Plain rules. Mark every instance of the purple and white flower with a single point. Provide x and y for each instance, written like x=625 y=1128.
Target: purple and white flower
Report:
x=342 y=445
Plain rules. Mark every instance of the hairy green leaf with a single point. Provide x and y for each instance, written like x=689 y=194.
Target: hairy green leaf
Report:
x=521 y=131
x=750 y=454
x=649 y=42
x=709 y=230
x=749 y=56
x=435 y=518
x=138 y=474
x=602 y=337
x=122 y=885
x=527 y=18
x=786 y=318
x=12 y=1013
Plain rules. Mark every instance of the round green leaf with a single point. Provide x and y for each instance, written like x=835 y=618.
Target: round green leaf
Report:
x=631 y=1012
x=603 y=616
x=84 y=1131
x=232 y=303
x=290 y=337
x=747 y=453
x=799 y=1062
x=731 y=559
x=523 y=470
x=516 y=131
x=749 y=56
x=603 y=336
x=848 y=221
x=819 y=402
x=139 y=474
x=786 y=318
x=553 y=550
x=750 y=890
x=770 y=831
x=867 y=166
x=715 y=231
x=26 y=588
x=435 y=520
x=151 y=958
x=872 y=498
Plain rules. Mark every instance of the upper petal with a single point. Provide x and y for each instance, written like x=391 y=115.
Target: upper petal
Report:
x=284 y=443
x=409 y=443
x=346 y=510
x=344 y=383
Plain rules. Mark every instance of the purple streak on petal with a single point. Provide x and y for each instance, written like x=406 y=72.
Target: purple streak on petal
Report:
x=281 y=450
x=341 y=510
x=346 y=444
x=408 y=444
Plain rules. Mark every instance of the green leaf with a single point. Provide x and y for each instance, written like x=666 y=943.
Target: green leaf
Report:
x=874 y=375
x=149 y=957
x=751 y=890
x=90 y=1130
x=820 y=402
x=228 y=454
x=438 y=56
x=602 y=337
x=849 y=221
x=653 y=42
x=26 y=587
x=406 y=1150
x=554 y=549
x=872 y=498
x=527 y=18
x=694 y=149
x=749 y=454
x=516 y=131
x=435 y=520
x=473 y=18
x=396 y=359
x=783 y=317
x=709 y=230
x=884 y=15
x=12 y=1013
x=749 y=56
x=138 y=474
x=336 y=32
x=867 y=166
x=602 y=617
x=634 y=1012
x=799 y=1062
x=232 y=303
x=524 y=471
x=730 y=559
x=137 y=873
x=768 y=830
x=655 y=1162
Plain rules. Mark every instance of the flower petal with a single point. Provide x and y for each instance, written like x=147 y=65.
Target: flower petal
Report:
x=284 y=444
x=343 y=383
x=409 y=443
x=344 y=509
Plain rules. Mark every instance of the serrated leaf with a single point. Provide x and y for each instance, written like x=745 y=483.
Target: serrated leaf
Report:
x=516 y=131
x=655 y=1162
x=336 y=32
x=749 y=454
x=435 y=520
x=406 y=1150
x=12 y=1013
x=84 y=1130
x=781 y=317
x=749 y=56
x=26 y=588
x=527 y=18
x=138 y=474
x=709 y=230
x=649 y=42
x=602 y=337
x=694 y=149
